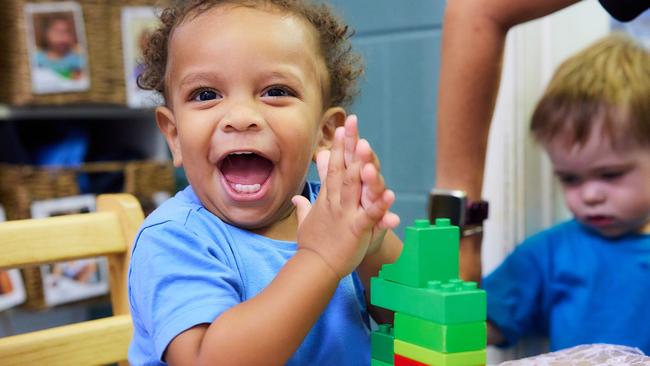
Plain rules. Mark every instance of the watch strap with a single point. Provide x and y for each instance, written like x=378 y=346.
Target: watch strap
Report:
x=476 y=213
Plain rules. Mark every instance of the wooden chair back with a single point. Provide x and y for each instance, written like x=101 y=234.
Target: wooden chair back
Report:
x=108 y=232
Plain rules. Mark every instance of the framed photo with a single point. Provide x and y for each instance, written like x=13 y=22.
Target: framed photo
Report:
x=80 y=279
x=12 y=289
x=138 y=22
x=57 y=47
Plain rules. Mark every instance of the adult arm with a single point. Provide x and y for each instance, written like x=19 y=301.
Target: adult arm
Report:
x=473 y=39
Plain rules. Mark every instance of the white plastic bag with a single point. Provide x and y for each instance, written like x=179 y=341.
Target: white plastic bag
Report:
x=587 y=355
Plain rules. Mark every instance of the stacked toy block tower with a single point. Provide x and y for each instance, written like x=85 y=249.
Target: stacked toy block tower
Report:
x=439 y=319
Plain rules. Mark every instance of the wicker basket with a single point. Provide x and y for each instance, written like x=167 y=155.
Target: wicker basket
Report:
x=102 y=23
x=20 y=185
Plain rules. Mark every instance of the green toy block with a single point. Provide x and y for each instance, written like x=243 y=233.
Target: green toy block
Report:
x=452 y=302
x=438 y=337
x=430 y=254
x=429 y=357
x=381 y=342
x=374 y=362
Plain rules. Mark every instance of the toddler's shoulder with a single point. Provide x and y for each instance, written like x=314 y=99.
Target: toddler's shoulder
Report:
x=561 y=232
x=184 y=209
x=567 y=235
x=181 y=223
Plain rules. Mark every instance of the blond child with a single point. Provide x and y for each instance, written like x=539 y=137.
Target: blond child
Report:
x=239 y=268
x=586 y=280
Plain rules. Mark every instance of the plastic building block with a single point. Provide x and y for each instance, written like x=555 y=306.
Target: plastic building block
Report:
x=430 y=254
x=374 y=362
x=405 y=361
x=439 y=319
x=381 y=342
x=452 y=302
x=444 y=338
x=429 y=357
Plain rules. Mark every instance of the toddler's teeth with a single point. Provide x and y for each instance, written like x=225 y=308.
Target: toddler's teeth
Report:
x=247 y=188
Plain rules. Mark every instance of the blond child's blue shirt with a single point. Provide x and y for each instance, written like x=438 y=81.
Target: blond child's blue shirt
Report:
x=574 y=286
x=188 y=267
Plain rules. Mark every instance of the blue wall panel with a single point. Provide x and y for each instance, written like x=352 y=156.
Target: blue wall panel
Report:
x=400 y=44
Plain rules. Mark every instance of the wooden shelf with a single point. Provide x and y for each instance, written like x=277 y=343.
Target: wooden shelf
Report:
x=72 y=112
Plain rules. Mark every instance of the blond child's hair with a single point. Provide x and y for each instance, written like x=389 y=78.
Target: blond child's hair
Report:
x=607 y=83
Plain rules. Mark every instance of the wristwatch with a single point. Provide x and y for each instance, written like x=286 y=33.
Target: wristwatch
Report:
x=453 y=204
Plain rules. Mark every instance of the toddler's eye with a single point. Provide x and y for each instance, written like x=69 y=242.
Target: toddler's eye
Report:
x=611 y=175
x=204 y=95
x=278 y=91
x=568 y=180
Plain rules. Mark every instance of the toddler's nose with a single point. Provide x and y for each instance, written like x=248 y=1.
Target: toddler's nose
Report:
x=242 y=117
x=593 y=193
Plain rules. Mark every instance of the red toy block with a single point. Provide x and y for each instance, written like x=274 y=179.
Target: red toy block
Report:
x=405 y=361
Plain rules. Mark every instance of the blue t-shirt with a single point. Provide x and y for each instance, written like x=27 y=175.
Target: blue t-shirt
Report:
x=188 y=267
x=576 y=287
x=64 y=66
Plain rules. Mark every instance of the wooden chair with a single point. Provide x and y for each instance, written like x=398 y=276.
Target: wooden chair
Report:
x=107 y=232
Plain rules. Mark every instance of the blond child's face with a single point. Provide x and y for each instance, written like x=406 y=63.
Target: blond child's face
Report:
x=606 y=189
x=246 y=114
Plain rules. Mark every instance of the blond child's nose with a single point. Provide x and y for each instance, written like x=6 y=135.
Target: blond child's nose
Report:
x=593 y=193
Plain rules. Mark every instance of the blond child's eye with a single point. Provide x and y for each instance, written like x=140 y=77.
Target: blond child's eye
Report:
x=568 y=180
x=612 y=175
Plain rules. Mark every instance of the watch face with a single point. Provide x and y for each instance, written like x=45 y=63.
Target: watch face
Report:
x=447 y=205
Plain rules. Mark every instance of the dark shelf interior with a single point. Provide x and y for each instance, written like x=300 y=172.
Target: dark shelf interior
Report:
x=86 y=112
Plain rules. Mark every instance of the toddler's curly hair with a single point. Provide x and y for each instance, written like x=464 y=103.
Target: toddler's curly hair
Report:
x=344 y=66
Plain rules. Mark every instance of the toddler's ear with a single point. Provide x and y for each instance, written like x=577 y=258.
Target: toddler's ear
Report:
x=332 y=118
x=167 y=125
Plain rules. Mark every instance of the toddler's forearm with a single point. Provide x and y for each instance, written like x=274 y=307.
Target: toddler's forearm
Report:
x=267 y=329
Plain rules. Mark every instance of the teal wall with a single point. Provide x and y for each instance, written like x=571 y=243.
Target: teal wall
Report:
x=400 y=43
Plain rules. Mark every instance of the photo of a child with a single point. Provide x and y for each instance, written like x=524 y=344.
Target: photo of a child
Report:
x=77 y=279
x=138 y=22
x=57 y=47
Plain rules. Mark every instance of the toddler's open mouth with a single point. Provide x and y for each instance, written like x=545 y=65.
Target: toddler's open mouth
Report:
x=246 y=172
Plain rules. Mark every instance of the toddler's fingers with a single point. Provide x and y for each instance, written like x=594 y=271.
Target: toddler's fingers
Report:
x=351 y=188
x=303 y=206
x=322 y=161
x=373 y=182
x=351 y=138
x=365 y=153
x=390 y=221
x=377 y=209
x=335 y=168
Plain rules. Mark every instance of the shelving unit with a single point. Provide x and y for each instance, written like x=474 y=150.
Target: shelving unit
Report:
x=114 y=133
x=75 y=112
x=110 y=128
